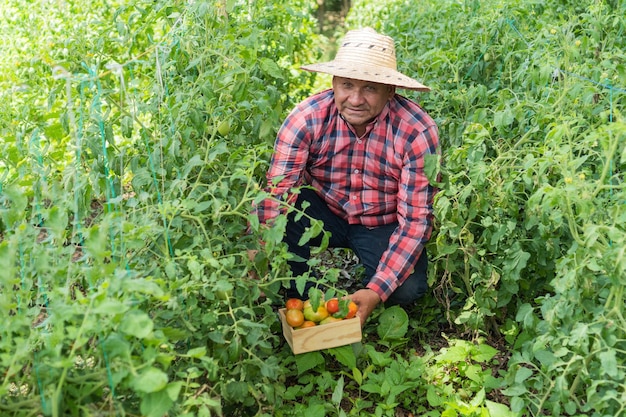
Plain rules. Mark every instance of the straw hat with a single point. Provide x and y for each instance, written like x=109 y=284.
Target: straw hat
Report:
x=367 y=55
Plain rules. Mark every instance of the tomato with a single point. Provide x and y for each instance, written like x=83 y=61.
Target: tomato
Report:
x=224 y=294
x=352 y=309
x=330 y=319
x=294 y=317
x=315 y=316
x=332 y=306
x=347 y=309
x=224 y=127
x=307 y=323
x=294 y=304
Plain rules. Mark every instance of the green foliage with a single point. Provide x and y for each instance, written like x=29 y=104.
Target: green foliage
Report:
x=134 y=137
x=133 y=147
x=379 y=378
x=529 y=100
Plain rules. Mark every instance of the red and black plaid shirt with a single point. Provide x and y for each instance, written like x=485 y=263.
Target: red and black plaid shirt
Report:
x=374 y=180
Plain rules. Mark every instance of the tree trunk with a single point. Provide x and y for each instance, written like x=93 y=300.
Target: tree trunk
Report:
x=321 y=10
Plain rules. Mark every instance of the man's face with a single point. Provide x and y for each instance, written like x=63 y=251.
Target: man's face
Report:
x=360 y=101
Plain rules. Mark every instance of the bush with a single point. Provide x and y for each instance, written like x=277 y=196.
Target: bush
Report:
x=529 y=103
x=136 y=142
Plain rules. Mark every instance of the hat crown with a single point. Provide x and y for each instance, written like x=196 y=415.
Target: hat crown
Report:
x=367 y=55
x=367 y=47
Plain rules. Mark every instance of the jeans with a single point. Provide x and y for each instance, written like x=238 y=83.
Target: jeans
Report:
x=368 y=244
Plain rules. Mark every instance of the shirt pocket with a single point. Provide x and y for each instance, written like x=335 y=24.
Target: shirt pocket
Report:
x=383 y=173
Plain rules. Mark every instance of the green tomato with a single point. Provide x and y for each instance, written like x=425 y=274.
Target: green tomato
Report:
x=224 y=127
x=224 y=294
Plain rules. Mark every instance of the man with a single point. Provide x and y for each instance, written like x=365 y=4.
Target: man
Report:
x=361 y=148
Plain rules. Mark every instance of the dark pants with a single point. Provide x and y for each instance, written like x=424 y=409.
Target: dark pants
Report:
x=368 y=245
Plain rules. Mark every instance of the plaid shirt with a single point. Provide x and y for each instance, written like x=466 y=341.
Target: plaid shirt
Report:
x=374 y=180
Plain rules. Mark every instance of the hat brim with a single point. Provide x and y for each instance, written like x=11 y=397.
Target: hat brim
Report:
x=373 y=74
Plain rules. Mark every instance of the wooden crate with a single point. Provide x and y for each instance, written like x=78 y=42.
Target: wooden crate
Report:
x=323 y=336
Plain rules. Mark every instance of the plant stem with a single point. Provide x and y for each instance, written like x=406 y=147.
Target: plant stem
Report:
x=607 y=167
x=75 y=346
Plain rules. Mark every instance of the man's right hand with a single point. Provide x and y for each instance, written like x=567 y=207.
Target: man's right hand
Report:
x=367 y=300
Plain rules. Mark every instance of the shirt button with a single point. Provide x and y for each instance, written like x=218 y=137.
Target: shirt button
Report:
x=356 y=171
x=354 y=197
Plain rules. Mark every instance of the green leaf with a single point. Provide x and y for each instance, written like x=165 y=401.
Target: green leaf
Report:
x=372 y=387
x=170 y=269
x=345 y=355
x=301 y=282
x=458 y=352
x=378 y=358
x=449 y=412
x=269 y=67
x=516 y=260
x=432 y=167
x=266 y=129
x=253 y=221
x=485 y=353
x=143 y=286
x=217 y=336
x=156 y=404
x=498 y=410
x=525 y=315
x=570 y=408
x=515 y=390
x=522 y=374
x=323 y=244
x=315 y=410
x=546 y=357
x=236 y=391
x=110 y=306
x=517 y=404
x=137 y=323
x=127 y=126
x=609 y=363
x=479 y=398
x=197 y=352
x=270 y=368
x=503 y=118
x=393 y=323
x=338 y=392
x=150 y=380
x=115 y=345
x=173 y=389
x=315 y=297
x=311 y=232
x=274 y=235
x=474 y=373
x=433 y=397
x=308 y=361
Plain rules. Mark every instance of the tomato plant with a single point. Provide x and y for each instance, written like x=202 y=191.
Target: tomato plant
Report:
x=128 y=167
x=529 y=100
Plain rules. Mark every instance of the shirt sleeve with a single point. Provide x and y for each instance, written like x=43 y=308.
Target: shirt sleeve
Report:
x=415 y=216
x=291 y=151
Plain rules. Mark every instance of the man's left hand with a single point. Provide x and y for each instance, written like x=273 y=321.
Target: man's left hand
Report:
x=367 y=300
